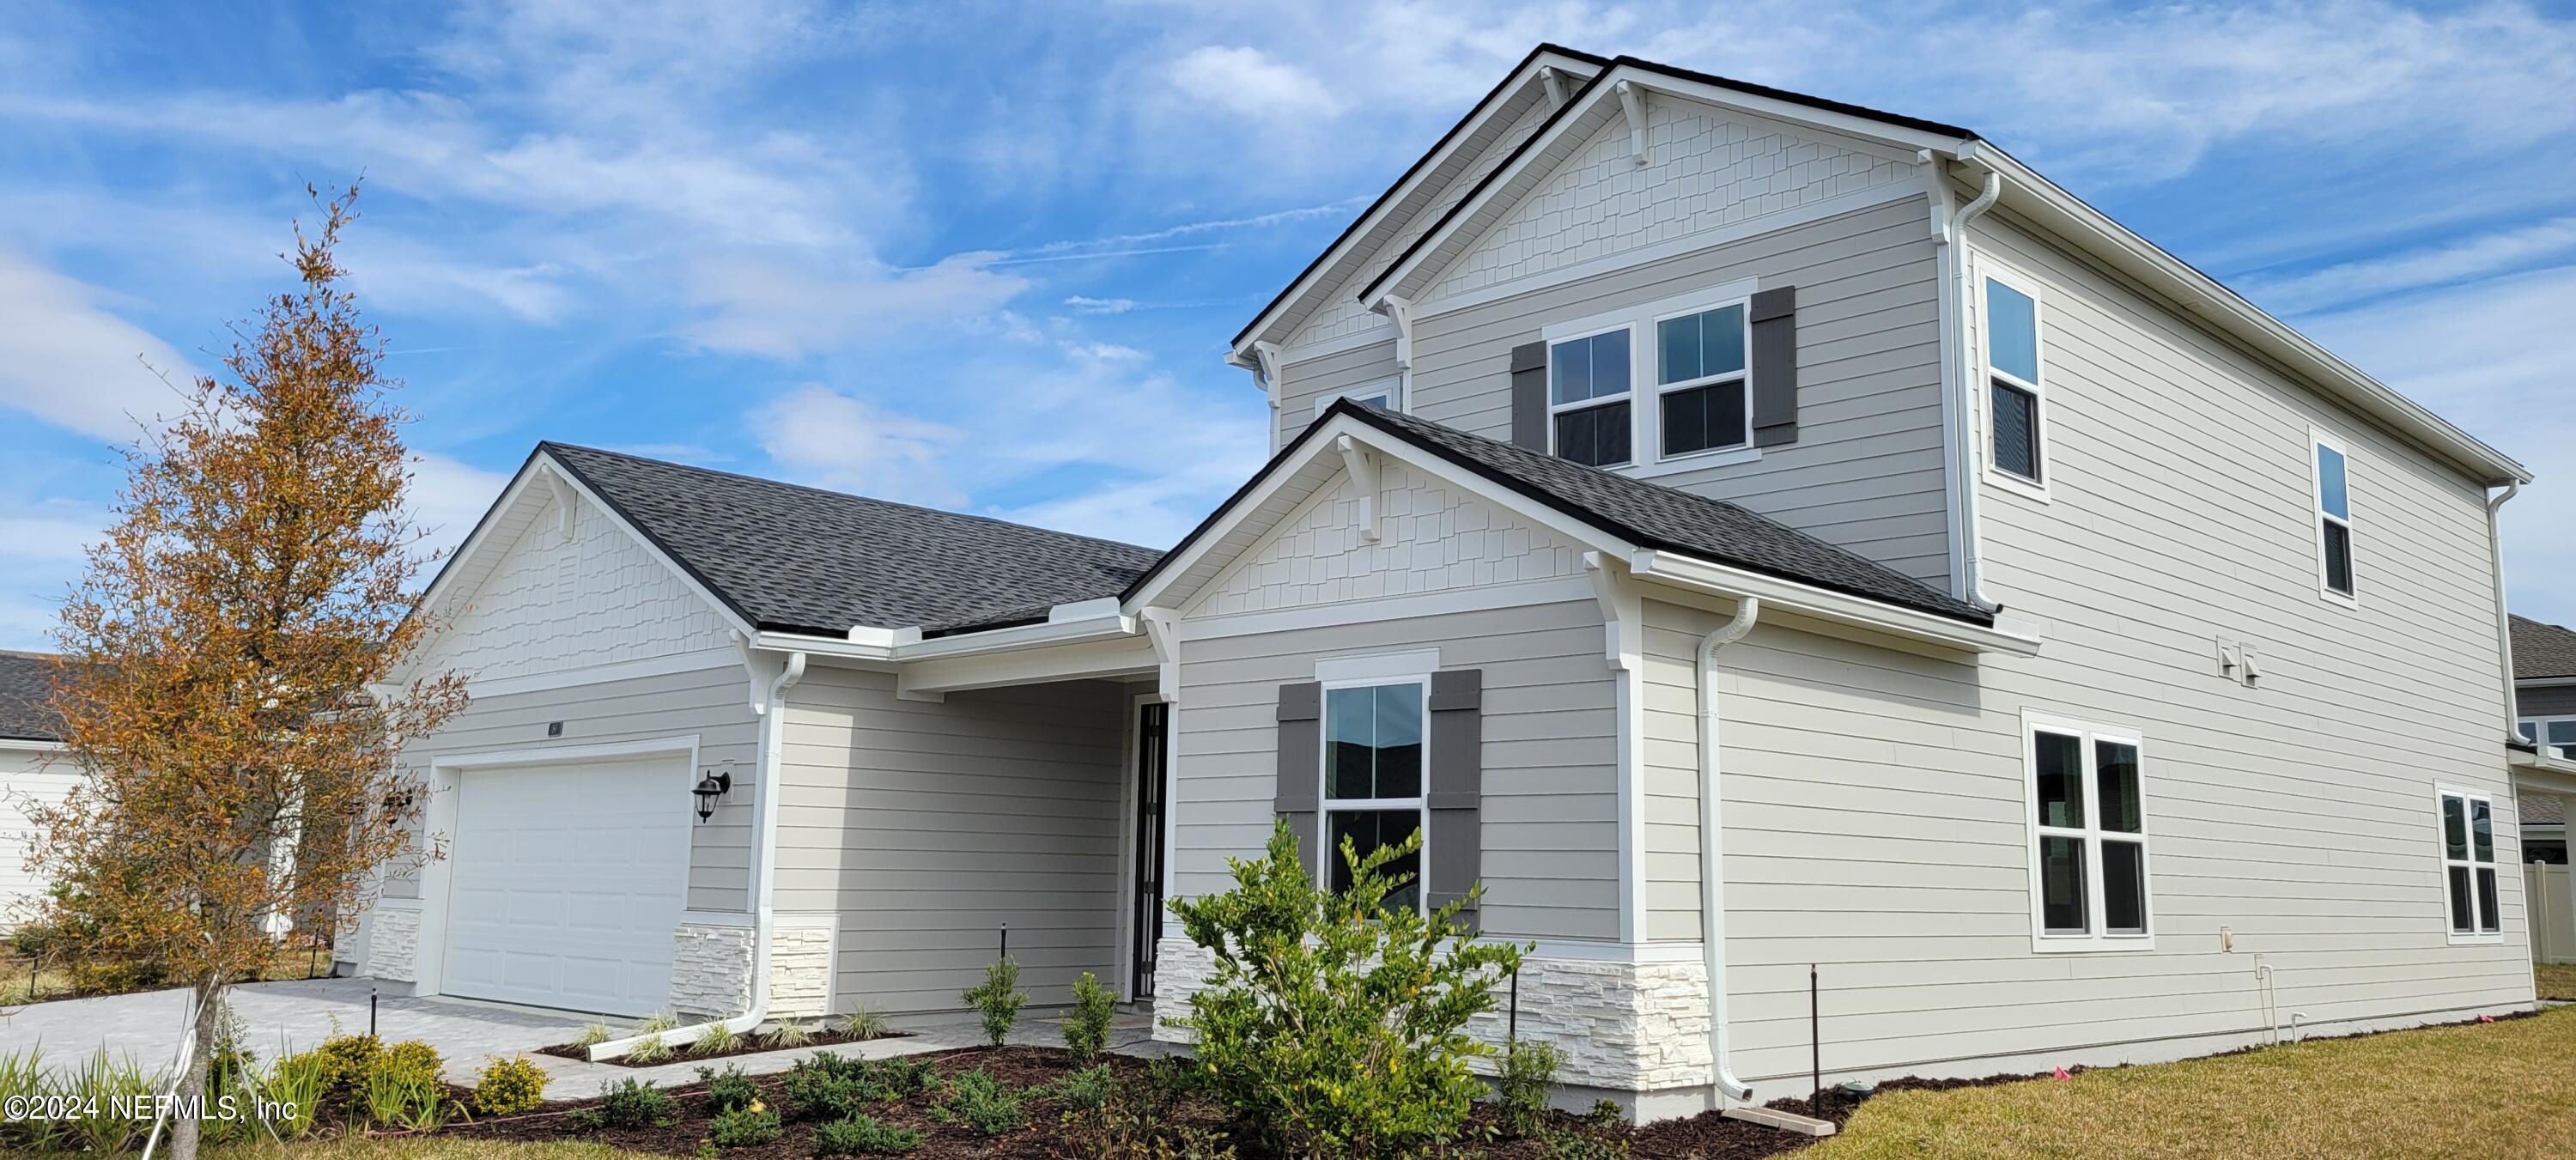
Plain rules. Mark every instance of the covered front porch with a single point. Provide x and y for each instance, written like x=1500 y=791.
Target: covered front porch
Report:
x=2544 y=786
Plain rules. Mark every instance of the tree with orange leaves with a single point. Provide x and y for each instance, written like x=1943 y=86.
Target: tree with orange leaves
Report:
x=224 y=657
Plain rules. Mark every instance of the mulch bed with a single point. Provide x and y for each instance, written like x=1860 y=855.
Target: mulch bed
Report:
x=745 y=1045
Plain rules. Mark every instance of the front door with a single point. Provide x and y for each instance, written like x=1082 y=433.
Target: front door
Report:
x=1153 y=741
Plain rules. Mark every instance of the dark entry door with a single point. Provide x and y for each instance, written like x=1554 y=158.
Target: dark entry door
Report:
x=1153 y=743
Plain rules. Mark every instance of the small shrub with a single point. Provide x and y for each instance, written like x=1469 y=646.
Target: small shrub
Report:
x=347 y=1061
x=413 y=1058
x=291 y=1097
x=1135 y=1121
x=862 y=1135
x=825 y=1086
x=592 y=1036
x=864 y=1023
x=23 y=1079
x=509 y=1086
x=1521 y=1084
x=631 y=1103
x=1086 y=1028
x=718 y=1039
x=744 y=1127
x=109 y=1086
x=657 y=1023
x=1605 y=1116
x=1588 y=1143
x=998 y=998
x=1087 y=1089
x=650 y=1049
x=729 y=1089
x=791 y=1033
x=979 y=1103
x=399 y=1097
x=1335 y=1021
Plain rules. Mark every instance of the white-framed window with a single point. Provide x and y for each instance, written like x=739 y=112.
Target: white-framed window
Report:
x=2556 y=734
x=1388 y=394
x=2088 y=836
x=1375 y=761
x=2016 y=403
x=2467 y=837
x=1588 y=400
x=1703 y=393
x=2332 y=478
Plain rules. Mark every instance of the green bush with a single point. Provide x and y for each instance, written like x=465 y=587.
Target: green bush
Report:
x=631 y=1103
x=865 y=1022
x=399 y=1097
x=1136 y=1121
x=108 y=1085
x=23 y=1079
x=1086 y=1028
x=413 y=1058
x=717 y=1039
x=1086 y=1089
x=825 y=1086
x=744 y=1127
x=998 y=998
x=1334 y=1022
x=509 y=1086
x=1521 y=1085
x=346 y=1062
x=979 y=1103
x=862 y=1135
x=1584 y=1144
x=729 y=1089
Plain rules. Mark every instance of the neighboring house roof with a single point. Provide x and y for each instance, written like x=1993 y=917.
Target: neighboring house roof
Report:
x=801 y=559
x=26 y=687
x=2542 y=650
x=1648 y=515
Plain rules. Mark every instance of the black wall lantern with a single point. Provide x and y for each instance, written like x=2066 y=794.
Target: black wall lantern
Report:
x=715 y=784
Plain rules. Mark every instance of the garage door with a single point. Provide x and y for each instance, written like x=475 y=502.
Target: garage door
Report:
x=566 y=883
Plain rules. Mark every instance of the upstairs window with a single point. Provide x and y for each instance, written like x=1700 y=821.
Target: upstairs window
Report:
x=2469 y=865
x=1588 y=398
x=2334 y=520
x=2013 y=411
x=1388 y=394
x=2556 y=735
x=1701 y=388
x=2089 y=837
x=1373 y=774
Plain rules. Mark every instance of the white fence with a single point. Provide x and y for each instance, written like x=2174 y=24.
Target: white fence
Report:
x=2550 y=896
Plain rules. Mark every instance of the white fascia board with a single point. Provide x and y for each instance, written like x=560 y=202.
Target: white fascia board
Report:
x=1090 y=659
x=29 y=745
x=2203 y=297
x=1906 y=141
x=1825 y=604
x=2534 y=773
x=1306 y=284
x=1110 y=625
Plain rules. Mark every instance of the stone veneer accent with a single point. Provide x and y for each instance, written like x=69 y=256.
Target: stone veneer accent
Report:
x=800 y=966
x=711 y=968
x=393 y=944
x=1623 y=1026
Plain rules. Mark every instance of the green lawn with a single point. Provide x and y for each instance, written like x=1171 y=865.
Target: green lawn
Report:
x=2501 y=1090
x=2557 y=981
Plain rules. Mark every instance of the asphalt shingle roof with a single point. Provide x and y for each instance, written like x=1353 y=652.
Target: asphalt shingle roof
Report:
x=26 y=684
x=2542 y=650
x=801 y=559
x=1654 y=516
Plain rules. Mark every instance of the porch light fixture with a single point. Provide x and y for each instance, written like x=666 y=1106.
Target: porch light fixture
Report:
x=715 y=784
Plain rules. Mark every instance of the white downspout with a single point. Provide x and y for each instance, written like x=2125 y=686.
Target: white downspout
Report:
x=1951 y=255
x=764 y=875
x=2504 y=615
x=1712 y=866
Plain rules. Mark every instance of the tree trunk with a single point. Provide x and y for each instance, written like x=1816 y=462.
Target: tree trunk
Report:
x=184 y=1122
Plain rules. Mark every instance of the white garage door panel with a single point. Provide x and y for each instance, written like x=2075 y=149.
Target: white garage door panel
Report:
x=566 y=883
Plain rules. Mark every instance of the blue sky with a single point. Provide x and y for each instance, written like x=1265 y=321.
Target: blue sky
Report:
x=987 y=256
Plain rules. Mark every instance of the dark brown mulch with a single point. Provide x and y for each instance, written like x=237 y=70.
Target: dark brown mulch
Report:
x=748 y=1045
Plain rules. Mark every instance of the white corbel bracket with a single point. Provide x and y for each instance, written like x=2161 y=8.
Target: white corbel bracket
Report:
x=567 y=503
x=1268 y=355
x=1164 y=635
x=1622 y=611
x=1632 y=101
x=1362 y=464
x=1400 y=309
x=1555 y=81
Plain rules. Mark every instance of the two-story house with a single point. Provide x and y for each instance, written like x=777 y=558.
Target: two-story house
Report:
x=1750 y=534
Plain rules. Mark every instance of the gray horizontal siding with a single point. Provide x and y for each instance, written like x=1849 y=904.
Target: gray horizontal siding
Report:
x=925 y=826
x=1550 y=755
x=1330 y=375
x=2546 y=701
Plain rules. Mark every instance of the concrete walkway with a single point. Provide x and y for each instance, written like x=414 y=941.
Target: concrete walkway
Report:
x=284 y=1018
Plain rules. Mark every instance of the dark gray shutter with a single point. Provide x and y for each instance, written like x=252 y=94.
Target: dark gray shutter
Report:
x=1529 y=395
x=1457 y=838
x=1301 y=749
x=1775 y=366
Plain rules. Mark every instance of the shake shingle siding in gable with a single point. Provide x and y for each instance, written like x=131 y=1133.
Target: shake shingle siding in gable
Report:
x=804 y=560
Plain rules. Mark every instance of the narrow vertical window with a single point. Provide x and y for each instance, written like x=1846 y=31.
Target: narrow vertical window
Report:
x=1373 y=778
x=2334 y=519
x=2469 y=865
x=1588 y=399
x=2013 y=390
x=2089 y=838
x=1700 y=381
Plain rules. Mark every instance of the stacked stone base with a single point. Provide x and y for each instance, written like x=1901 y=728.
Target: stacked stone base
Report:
x=1635 y=1033
x=711 y=967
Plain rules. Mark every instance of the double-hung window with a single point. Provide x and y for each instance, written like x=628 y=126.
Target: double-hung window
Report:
x=2469 y=865
x=2017 y=443
x=1587 y=398
x=2556 y=734
x=2088 y=837
x=1373 y=770
x=2334 y=519
x=1701 y=394
x=1388 y=394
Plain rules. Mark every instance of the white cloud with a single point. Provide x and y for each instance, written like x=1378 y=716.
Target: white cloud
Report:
x=66 y=359
x=1250 y=82
x=832 y=440
x=52 y=533
x=762 y=307
x=2477 y=256
x=1085 y=304
x=448 y=497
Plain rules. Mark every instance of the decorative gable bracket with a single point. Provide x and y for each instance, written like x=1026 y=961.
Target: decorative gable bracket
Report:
x=567 y=503
x=1623 y=622
x=1632 y=101
x=1362 y=464
x=1400 y=310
